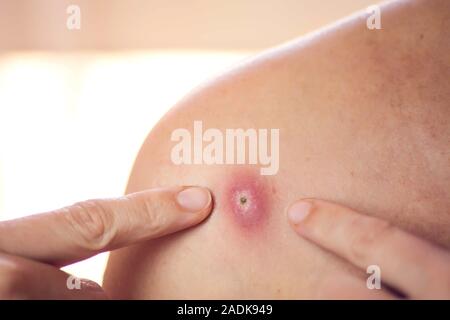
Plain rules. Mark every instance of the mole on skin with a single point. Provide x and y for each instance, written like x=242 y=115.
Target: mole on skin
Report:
x=246 y=199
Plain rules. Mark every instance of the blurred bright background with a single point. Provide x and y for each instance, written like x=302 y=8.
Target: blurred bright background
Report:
x=76 y=105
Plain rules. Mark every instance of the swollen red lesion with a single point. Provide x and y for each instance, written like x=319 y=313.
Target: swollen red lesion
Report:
x=243 y=201
x=246 y=198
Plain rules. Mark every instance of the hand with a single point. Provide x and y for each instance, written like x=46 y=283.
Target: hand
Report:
x=410 y=266
x=32 y=248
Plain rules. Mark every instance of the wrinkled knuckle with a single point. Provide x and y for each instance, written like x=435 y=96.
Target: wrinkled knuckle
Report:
x=369 y=234
x=92 y=224
x=156 y=217
x=12 y=280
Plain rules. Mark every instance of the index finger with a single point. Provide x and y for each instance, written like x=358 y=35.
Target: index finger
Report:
x=87 y=228
x=408 y=263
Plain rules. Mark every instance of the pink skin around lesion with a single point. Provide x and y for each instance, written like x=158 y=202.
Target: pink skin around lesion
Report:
x=246 y=200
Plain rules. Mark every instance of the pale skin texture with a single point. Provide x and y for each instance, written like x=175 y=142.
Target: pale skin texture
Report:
x=363 y=118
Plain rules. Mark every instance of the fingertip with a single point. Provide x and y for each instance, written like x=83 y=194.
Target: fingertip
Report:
x=195 y=200
x=90 y=290
x=195 y=205
x=299 y=211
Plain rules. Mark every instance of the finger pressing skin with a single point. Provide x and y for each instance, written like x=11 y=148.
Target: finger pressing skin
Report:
x=86 y=228
x=344 y=286
x=408 y=263
x=21 y=278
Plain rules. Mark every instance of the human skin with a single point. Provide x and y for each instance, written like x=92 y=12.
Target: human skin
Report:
x=33 y=248
x=363 y=118
x=404 y=265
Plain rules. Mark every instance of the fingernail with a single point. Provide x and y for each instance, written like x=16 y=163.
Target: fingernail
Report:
x=299 y=211
x=194 y=199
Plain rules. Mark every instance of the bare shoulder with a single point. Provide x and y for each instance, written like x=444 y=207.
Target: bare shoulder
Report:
x=363 y=121
x=368 y=109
